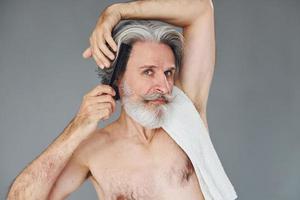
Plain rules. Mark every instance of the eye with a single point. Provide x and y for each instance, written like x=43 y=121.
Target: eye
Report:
x=168 y=73
x=148 y=72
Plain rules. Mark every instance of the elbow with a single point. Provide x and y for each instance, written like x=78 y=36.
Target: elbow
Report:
x=15 y=194
x=12 y=193
x=17 y=191
x=204 y=6
x=20 y=192
x=196 y=10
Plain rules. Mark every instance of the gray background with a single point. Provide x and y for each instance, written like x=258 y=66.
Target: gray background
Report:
x=253 y=110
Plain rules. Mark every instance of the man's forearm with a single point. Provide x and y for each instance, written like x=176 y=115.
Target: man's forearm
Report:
x=177 y=12
x=37 y=179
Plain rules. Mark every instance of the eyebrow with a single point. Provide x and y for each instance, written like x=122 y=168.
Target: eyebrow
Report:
x=154 y=66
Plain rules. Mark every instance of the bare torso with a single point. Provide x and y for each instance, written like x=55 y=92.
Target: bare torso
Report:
x=124 y=168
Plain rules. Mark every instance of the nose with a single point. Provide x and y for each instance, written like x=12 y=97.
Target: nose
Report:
x=162 y=84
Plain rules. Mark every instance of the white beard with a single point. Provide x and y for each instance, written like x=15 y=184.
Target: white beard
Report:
x=146 y=115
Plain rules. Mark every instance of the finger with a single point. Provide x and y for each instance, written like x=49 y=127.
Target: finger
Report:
x=98 y=62
x=96 y=50
x=113 y=105
x=89 y=110
x=103 y=106
x=101 y=89
x=100 y=114
x=96 y=53
x=105 y=49
x=97 y=107
x=107 y=53
x=104 y=113
x=94 y=104
x=109 y=106
x=105 y=99
x=92 y=47
x=111 y=42
x=87 y=53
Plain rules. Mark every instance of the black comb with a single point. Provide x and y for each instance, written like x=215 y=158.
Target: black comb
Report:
x=121 y=62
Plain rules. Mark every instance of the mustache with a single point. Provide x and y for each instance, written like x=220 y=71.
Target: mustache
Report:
x=150 y=97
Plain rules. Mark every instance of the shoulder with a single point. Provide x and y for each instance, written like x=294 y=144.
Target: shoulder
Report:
x=94 y=144
x=98 y=138
x=99 y=141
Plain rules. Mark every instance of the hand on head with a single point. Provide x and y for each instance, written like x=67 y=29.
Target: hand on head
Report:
x=102 y=44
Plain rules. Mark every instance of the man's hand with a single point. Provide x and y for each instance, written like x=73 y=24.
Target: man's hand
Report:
x=101 y=41
x=98 y=104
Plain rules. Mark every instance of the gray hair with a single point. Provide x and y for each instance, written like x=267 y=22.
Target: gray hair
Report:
x=131 y=31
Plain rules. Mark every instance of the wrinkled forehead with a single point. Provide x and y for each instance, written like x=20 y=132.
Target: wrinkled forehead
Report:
x=145 y=53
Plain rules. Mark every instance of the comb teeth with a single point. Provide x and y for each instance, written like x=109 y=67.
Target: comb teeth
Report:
x=121 y=61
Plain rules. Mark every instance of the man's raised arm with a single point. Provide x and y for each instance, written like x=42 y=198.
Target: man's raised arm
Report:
x=197 y=20
x=39 y=177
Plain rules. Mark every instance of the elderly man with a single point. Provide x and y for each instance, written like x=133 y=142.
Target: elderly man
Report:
x=133 y=157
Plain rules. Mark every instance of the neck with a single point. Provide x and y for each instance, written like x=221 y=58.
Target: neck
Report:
x=132 y=128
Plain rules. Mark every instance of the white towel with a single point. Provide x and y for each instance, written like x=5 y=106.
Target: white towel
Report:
x=184 y=124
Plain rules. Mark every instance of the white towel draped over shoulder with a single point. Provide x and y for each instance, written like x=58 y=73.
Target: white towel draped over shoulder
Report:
x=185 y=126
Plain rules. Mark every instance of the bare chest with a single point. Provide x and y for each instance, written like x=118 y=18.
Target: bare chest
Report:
x=135 y=172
